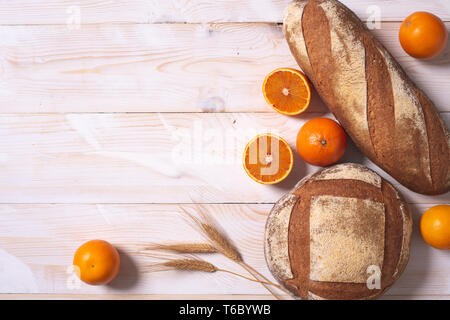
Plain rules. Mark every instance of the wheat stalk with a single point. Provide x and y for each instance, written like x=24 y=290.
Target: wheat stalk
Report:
x=184 y=247
x=219 y=240
x=195 y=265
x=190 y=265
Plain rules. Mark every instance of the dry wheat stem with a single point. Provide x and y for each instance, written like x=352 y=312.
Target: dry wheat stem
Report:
x=264 y=278
x=250 y=279
x=196 y=265
x=167 y=256
x=256 y=272
x=222 y=243
x=249 y=270
x=184 y=247
x=191 y=248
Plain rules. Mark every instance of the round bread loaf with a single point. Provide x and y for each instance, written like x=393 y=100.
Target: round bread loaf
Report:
x=341 y=233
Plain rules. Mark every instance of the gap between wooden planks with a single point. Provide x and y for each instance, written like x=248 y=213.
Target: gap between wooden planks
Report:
x=21 y=12
x=38 y=245
x=164 y=68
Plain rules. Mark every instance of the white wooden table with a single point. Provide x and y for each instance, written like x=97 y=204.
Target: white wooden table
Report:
x=115 y=114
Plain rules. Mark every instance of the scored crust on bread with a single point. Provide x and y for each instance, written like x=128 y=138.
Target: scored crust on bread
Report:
x=382 y=110
x=322 y=237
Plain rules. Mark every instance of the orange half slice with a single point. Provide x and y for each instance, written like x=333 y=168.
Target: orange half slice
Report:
x=268 y=159
x=287 y=90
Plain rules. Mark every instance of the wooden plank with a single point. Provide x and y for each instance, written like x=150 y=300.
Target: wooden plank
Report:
x=147 y=158
x=38 y=245
x=147 y=11
x=163 y=68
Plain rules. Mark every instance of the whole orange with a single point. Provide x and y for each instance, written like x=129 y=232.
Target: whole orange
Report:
x=435 y=227
x=423 y=35
x=321 y=142
x=96 y=262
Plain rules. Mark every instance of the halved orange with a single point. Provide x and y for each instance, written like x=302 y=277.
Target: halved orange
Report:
x=287 y=90
x=268 y=159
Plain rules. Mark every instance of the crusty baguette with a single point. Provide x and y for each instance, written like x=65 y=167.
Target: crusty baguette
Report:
x=326 y=237
x=390 y=120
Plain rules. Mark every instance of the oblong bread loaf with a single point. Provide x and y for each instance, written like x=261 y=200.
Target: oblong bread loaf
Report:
x=390 y=120
x=336 y=233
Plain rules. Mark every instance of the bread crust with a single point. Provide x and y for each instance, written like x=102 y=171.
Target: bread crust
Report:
x=347 y=205
x=390 y=120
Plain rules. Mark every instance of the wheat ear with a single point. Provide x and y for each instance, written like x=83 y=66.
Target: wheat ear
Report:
x=191 y=264
x=221 y=242
x=214 y=235
x=193 y=248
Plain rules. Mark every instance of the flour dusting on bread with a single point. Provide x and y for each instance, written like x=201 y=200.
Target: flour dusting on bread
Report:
x=350 y=171
x=293 y=27
x=277 y=227
x=347 y=236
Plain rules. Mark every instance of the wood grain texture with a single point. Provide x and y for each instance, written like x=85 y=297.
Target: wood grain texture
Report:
x=147 y=158
x=164 y=68
x=38 y=246
x=158 y=11
x=68 y=176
